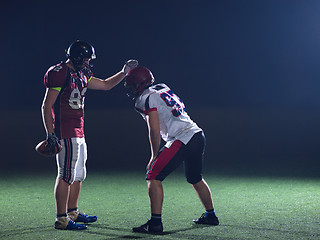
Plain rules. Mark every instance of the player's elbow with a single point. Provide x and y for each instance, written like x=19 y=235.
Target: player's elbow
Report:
x=45 y=107
x=155 y=134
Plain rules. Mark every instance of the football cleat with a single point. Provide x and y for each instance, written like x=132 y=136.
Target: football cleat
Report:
x=65 y=223
x=211 y=219
x=78 y=216
x=147 y=228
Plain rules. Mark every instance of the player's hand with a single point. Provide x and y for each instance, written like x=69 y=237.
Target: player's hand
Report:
x=53 y=143
x=129 y=65
x=149 y=166
x=150 y=163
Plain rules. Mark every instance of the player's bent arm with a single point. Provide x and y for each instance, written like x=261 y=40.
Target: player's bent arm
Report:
x=152 y=119
x=46 y=109
x=107 y=84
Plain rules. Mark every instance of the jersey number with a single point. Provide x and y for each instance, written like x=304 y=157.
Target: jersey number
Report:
x=76 y=100
x=174 y=102
x=57 y=68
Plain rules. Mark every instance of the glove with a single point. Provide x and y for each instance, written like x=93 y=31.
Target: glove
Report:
x=53 y=145
x=129 y=65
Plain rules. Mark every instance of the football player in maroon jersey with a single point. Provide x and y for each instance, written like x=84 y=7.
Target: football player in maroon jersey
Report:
x=63 y=117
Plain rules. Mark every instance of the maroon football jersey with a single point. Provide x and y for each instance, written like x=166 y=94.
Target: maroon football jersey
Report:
x=68 y=110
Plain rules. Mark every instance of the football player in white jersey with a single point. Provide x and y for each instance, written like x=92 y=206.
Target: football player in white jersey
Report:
x=166 y=118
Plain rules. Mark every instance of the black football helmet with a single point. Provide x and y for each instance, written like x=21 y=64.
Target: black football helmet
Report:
x=78 y=51
x=138 y=79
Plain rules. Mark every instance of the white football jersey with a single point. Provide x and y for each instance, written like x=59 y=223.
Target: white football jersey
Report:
x=175 y=123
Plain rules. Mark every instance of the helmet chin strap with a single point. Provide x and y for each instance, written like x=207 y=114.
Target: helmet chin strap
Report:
x=86 y=65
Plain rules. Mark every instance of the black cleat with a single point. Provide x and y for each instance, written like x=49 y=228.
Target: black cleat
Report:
x=211 y=219
x=147 y=228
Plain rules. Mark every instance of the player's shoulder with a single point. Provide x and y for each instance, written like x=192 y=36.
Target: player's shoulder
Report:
x=142 y=98
x=57 y=69
x=160 y=87
x=56 y=75
x=153 y=91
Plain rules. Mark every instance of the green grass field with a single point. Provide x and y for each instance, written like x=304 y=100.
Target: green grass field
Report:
x=248 y=207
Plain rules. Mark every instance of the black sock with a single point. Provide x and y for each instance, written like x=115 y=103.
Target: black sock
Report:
x=155 y=219
x=72 y=209
x=61 y=215
x=209 y=212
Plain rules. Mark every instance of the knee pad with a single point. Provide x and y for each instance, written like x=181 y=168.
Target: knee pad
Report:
x=194 y=179
x=81 y=175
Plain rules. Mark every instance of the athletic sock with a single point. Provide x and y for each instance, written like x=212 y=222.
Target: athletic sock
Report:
x=61 y=215
x=209 y=213
x=155 y=219
x=72 y=209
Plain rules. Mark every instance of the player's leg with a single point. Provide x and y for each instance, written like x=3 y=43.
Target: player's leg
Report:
x=203 y=191
x=61 y=194
x=78 y=156
x=155 y=192
x=75 y=188
x=209 y=216
x=167 y=161
x=154 y=225
x=74 y=194
x=66 y=167
x=193 y=169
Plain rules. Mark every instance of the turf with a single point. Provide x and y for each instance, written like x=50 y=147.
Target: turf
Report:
x=248 y=208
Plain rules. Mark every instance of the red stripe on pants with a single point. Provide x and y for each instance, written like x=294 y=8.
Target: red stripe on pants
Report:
x=163 y=159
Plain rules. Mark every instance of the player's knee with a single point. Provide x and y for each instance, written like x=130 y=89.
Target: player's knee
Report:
x=194 y=179
x=68 y=178
x=81 y=175
x=155 y=178
x=80 y=178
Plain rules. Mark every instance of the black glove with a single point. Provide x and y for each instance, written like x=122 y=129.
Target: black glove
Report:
x=53 y=145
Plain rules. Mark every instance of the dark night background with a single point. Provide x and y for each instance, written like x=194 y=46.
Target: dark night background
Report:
x=248 y=72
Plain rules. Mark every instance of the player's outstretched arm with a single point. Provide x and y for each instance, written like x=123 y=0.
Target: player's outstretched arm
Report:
x=106 y=84
x=109 y=83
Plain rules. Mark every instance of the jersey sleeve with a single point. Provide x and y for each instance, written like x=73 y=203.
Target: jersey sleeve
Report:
x=55 y=77
x=151 y=103
x=146 y=104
